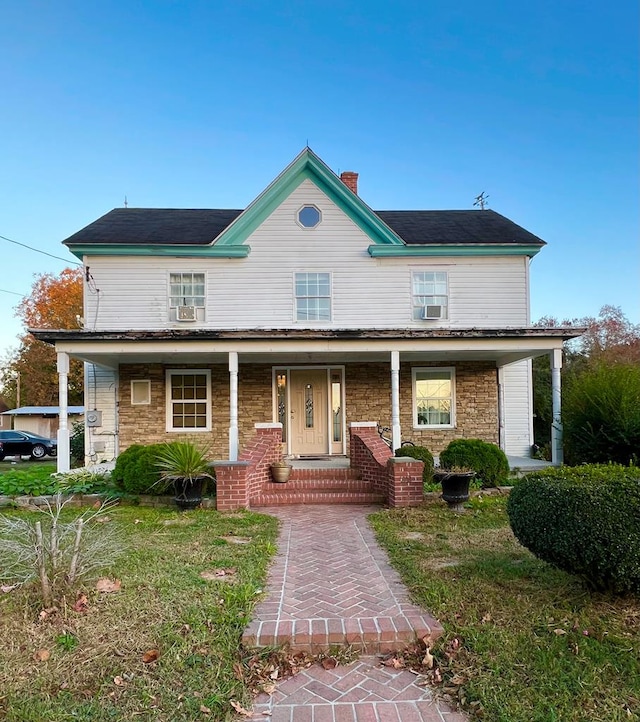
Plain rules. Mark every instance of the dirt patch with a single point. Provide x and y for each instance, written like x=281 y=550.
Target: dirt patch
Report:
x=412 y=536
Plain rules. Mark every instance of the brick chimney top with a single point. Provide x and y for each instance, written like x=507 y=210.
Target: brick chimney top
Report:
x=350 y=179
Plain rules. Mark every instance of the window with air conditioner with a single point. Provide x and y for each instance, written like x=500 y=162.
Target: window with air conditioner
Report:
x=186 y=295
x=430 y=295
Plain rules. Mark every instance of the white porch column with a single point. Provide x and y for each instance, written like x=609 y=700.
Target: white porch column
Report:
x=557 y=453
x=63 y=458
x=233 y=405
x=396 y=436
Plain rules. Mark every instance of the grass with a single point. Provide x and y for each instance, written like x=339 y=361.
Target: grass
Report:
x=94 y=667
x=535 y=645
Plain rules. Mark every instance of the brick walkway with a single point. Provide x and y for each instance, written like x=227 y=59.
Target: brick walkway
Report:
x=331 y=583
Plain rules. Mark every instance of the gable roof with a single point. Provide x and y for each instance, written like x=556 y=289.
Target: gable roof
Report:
x=223 y=232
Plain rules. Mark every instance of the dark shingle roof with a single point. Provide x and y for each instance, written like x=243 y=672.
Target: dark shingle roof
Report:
x=156 y=226
x=419 y=227
x=201 y=226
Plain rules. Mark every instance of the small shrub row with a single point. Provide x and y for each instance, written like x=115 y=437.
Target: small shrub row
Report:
x=487 y=460
x=136 y=470
x=584 y=520
x=422 y=454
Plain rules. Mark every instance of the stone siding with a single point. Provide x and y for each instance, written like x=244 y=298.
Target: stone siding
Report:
x=368 y=398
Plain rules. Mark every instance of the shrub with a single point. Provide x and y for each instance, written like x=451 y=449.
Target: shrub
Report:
x=584 y=520
x=136 y=470
x=487 y=460
x=76 y=443
x=601 y=414
x=34 y=481
x=423 y=454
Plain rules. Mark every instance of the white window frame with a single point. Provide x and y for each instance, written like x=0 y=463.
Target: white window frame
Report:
x=436 y=299
x=169 y=401
x=301 y=224
x=200 y=302
x=147 y=394
x=451 y=370
x=297 y=298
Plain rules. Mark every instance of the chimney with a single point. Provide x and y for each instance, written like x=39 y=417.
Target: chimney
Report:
x=350 y=179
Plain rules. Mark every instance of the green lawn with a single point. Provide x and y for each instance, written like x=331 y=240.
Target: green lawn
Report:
x=95 y=667
x=535 y=646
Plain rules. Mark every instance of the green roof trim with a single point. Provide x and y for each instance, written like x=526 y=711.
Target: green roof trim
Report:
x=307 y=165
x=183 y=250
x=462 y=249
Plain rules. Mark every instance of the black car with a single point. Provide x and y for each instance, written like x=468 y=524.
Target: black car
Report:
x=24 y=443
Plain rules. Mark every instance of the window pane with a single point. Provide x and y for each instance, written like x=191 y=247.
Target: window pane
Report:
x=434 y=397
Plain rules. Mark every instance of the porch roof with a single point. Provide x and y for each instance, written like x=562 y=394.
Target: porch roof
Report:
x=303 y=345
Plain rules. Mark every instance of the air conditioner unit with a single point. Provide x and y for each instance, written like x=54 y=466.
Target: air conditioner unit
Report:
x=186 y=313
x=432 y=313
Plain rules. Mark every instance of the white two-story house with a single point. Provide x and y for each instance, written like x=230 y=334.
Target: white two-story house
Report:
x=310 y=309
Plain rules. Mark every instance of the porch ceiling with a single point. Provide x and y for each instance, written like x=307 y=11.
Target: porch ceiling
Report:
x=307 y=346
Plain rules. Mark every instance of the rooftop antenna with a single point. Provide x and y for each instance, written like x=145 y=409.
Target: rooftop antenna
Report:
x=126 y=203
x=481 y=200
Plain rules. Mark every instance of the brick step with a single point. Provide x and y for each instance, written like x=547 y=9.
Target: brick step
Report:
x=319 y=473
x=321 y=483
x=370 y=635
x=319 y=496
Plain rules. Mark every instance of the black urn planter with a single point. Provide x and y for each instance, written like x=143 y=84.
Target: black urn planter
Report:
x=188 y=491
x=455 y=486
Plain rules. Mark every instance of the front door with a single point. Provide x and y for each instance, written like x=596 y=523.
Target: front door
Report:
x=308 y=417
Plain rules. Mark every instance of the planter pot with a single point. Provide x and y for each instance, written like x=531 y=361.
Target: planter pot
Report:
x=280 y=474
x=188 y=493
x=455 y=487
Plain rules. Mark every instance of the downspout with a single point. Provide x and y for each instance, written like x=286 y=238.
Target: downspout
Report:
x=502 y=441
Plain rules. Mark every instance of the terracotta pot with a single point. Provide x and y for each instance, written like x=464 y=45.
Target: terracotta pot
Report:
x=280 y=474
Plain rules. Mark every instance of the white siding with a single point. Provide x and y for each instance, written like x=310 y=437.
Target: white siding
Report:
x=517 y=408
x=257 y=291
x=100 y=393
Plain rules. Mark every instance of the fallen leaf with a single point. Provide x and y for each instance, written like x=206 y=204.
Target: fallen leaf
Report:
x=427 y=661
x=150 y=656
x=486 y=618
x=6 y=588
x=204 y=710
x=108 y=585
x=137 y=521
x=42 y=655
x=81 y=604
x=558 y=632
x=240 y=709
x=329 y=663
x=118 y=681
x=394 y=662
x=102 y=519
x=48 y=612
x=269 y=688
x=437 y=676
x=217 y=574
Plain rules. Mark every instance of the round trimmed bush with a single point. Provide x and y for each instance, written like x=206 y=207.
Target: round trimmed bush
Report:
x=136 y=472
x=584 y=520
x=487 y=460
x=422 y=454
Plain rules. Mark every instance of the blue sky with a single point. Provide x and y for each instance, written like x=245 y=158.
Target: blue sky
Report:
x=202 y=104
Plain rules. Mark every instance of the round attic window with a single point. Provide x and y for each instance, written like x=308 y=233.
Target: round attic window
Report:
x=309 y=216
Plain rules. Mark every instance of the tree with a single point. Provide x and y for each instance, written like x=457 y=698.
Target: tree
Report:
x=54 y=303
x=609 y=340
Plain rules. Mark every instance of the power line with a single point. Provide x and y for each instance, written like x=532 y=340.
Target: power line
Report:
x=37 y=250
x=15 y=293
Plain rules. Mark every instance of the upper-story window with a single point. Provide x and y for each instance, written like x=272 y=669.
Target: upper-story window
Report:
x=186 y=289
x=309 y=216
x=313 y=296
x=430 y=295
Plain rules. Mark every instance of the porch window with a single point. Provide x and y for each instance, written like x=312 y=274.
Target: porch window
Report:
x=433 y=397
x=430 y=293
x=140 y=392
x=186 y=289
x=313 y=296
x=188 y=400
